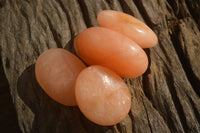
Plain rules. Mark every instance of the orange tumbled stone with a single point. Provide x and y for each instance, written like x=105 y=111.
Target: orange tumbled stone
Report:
x=102 y=95
x=102 y=46
x=129 y=26
x=56 y=71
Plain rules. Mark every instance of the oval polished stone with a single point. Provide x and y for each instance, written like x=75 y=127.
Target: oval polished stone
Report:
x=102 y=46
x=129 y=26
x=56 y=71
x=102 y=95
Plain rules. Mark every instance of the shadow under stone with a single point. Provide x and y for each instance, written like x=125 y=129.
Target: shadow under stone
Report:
x=50 y=116
x=70 y=46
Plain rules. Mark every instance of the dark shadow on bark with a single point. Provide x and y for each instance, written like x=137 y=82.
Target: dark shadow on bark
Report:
x=70 y=46
x=8 y=115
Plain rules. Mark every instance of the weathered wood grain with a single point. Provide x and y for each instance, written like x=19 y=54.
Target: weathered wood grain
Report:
x=164 y=99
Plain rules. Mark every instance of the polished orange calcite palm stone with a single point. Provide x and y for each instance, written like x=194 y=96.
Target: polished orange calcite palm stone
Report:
x=129 y=26
x=102 y=46
x=102 y=95
x=56 y=71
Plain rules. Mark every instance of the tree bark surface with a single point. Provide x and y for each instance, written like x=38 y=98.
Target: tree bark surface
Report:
x=164 y=99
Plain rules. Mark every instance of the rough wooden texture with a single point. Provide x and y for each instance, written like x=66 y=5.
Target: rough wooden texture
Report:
x=164 y=99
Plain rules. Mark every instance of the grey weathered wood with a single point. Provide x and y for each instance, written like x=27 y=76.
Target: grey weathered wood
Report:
x=164 y=99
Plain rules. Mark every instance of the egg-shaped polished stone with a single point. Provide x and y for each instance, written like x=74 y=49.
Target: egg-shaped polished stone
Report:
x=102 y=46
x=56 y=71
x=102 y=95
x=129 y=26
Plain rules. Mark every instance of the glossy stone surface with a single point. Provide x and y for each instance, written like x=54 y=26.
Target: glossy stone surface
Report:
x=102 y=46
x=56 y=71
x=128 y=26
x=102 y=95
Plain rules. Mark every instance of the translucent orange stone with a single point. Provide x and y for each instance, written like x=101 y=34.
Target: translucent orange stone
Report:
x=102 y=95
x=102 y=46
x=129 y=26
x=56 y=71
